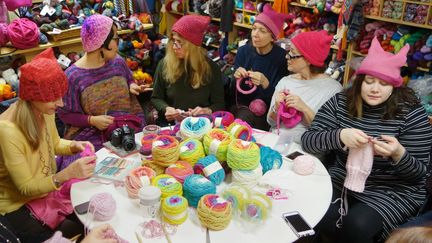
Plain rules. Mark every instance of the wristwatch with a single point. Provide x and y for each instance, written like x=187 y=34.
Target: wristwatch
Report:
x=57 y=183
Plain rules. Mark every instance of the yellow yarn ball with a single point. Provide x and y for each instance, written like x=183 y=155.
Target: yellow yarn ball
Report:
x=191 y=150
x=165 y=150
x=168 y=185
x=174 y=209
x=216 y=142
x=214 y=212
x=243 y=155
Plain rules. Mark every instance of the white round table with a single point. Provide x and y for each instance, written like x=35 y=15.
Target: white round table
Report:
x=310 y=195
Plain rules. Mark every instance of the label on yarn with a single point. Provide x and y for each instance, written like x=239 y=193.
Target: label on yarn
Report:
x=145 y=180
x=194 y=120
x=184 y=149
x=214 y=145
x=170 y=181
x=218 y=121
x=234 y=129
x=220 y=200
x=245 y=143
x=175 y=216
x=203 y=180
x=212 y=168
x=157 y=143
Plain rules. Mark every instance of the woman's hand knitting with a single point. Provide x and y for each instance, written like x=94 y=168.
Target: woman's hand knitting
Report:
x=240 y=73
x=100 y=234
x=101 y=122
x=296 y=102
x=78 y=146
x=171 y=113
x=353 y=138
x=389 y=147
x=136 y=89
x=81 y=168
x=258 y=78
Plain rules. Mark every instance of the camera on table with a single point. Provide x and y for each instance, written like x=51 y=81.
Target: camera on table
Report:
x=123 y=137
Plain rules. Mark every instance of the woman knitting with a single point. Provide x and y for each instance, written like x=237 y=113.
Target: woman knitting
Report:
x=261 y=65
x=304 y=92
x=381 y=137
x=29 y=142
x=101 y=87
x=187 y=82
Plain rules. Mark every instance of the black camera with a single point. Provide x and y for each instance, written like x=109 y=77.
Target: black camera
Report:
x=123 y=137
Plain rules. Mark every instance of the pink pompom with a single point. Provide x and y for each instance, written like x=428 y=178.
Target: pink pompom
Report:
x=258 y=107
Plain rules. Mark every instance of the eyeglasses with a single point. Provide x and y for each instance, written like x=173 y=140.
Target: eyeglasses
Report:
x=116 y=39
x=289 y=56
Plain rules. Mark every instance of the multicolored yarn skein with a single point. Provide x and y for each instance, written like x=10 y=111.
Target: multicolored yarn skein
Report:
x=237 y=196
x=157 y=168
x=210 y=167
x=174 y=209
x=168 y=185
x=222 y=119
x=138 y=178
x=257 y=207
x=196 y=186
x=216 y=142
x=270 y=159
x=191 y=150
x=240 y=129
x=147 y=143
x=179 y=170
x=151 y=129
x=102 y=206
x=165 y=150
x=194 y=127
x=243 y=155
x=214 y=212
x=247 y=178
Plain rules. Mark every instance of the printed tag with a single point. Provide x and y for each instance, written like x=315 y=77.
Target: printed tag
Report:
x=157 y=143
x=218 y=122
x=184 y=149
x=63 y=60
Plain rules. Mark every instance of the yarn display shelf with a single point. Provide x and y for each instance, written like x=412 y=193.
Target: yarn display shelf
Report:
x=250 y=11
x=300 y=5
x=65 y=34
x=397 y=21
x=248 y=26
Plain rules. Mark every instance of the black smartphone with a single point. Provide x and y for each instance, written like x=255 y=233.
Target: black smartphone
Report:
x=82 y=208
x=297 y=223
x=294 y=155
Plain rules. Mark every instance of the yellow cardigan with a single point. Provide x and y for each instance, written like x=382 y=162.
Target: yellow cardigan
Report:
x=21 y=176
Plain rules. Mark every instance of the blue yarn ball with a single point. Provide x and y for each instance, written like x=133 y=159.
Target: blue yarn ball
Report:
x=196 y=186
x=210 y=167
x=270 y=159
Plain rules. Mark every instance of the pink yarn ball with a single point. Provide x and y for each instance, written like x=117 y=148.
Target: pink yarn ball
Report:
x=4 y=37
x=304 y=165
x=23 y=33
x=102 y=206
x=258 y=107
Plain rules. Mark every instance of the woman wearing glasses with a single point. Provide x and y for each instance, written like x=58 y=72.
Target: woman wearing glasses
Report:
x=101 y=87
x=263 y=63
x=187 y=82
x=307 y=89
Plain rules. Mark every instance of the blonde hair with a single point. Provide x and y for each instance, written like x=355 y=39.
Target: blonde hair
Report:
x=417 y=234
x=25 y=119
x=194 y=65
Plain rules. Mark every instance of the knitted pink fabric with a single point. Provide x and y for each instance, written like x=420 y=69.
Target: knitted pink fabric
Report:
x=12 y=5
x=384 y=65
x=23 y=33
x=94 y=31
x=359 y=165
x=271 y=19
x=290 y=116
x=314 y=46
x=192 y=28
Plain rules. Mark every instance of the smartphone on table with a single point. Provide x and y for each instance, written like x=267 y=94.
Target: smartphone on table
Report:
x=297 y=223
x=294 y=155
x=82 y=208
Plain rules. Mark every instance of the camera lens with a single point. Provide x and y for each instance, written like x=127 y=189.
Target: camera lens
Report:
x=128 y=142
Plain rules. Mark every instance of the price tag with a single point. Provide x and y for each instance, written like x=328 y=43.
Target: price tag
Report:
x=63 y=60
x=51 y=11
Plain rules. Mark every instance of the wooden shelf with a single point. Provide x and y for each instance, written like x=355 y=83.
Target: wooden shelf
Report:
x=396 y=21
x=250 y=11
x=216 y=19
x=238 y=9
x=300 y=5
x=248 y=26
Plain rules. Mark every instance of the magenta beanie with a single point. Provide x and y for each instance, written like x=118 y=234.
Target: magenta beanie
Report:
x=384 y=65
x=314 y=46
x=192 y=28
x=271 y=19
x=94 y=31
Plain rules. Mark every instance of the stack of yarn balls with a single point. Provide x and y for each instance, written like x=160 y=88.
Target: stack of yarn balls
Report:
x=138 y=178
x=174 y=209
x=214 y=212
x=210 y=167
x=216 y=142
x=191 y=150
x=196 y=186
x=168 y=185
x=147 y=144
x=165 y=150
x=179 y=170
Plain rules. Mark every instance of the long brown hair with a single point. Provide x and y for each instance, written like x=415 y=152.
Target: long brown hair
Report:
x=25 y=119
x=395 y=105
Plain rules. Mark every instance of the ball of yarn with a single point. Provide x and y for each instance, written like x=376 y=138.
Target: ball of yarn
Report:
x=102 y=206
x=165 y=150
x=157 y=168
x=257 y=207
x=304 y=165
x=258 y=107
x=174 y=209
x=191 y=150
x=138 y=178
x=243 y=155
x=210 y=167
x=168 y=185
x=222 y=119
x=147 y=144
x=247 y=178
x=214 y=212
x=179 y=170
x=4 y=37
x=270 y=159
x=240 y=129
x=172 y=131
x=216 y=142
x=196 y=186
x=151 y=129
x=194 y=127
x=237 y=196
x=23 y=33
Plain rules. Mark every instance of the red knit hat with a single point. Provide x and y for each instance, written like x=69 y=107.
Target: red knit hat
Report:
x=271 y=19
x=314 y=46
x=192 y=28
x=42 y=79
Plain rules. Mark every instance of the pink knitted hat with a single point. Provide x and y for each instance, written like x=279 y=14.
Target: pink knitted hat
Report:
x=314 y=46
x=12 y=5
x=271 y=19
x=192 y=28
x=94 y=31
x=359 y=165
x=384 y=65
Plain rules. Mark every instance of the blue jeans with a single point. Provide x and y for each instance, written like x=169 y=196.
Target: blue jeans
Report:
x=422 y=220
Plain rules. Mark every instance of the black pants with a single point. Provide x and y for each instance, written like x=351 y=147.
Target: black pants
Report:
x=243 y=113
x=362 y=224
x=28 y=229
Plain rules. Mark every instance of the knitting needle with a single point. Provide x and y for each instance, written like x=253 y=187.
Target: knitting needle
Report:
x=166 y=233
x=138 y=237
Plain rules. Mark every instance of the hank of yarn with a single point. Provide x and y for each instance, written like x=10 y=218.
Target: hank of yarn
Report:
x=247 y=178
x=138 y=178
x=196 y=186
x=157 y=168
x=216 y=142
x=23 y=33
x=102 y=206
x=270 y=159
x=258 y=107
x=179 y=170
x=257 y=207
x=240 y=129
x=214 y=212
x=151 y=129
x=168 y=185
x=191 y=150
x=147 y=143
x=243 y=155
x=165 y=150
x=194 y=127
x=304 y=165
x=174 y=209
x=222 y=119
x=237 y=196
x=210 y=167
